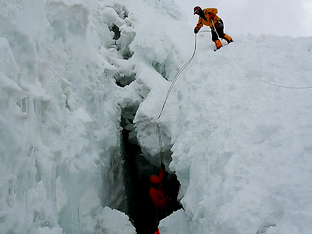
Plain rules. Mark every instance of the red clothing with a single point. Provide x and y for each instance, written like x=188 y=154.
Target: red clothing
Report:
x=157 y=194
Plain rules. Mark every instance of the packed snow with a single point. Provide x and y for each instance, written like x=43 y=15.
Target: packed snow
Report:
x=236 y=128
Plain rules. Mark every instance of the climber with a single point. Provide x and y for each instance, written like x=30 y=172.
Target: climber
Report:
x=209 y=18
x=157 y=194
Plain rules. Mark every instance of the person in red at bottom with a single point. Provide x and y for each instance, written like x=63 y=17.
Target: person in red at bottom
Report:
x=157 y=194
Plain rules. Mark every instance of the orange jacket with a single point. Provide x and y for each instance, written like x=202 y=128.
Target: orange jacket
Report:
x=157 y=194
x=207 y=12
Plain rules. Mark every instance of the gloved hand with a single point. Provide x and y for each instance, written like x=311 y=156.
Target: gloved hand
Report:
x=162 y=165
x=211 y=16
x=196 y=29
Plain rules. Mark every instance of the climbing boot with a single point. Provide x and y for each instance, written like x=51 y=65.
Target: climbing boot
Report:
x=227 y=38
x=218 y=44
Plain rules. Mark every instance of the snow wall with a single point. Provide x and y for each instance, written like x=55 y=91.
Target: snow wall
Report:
x=72 y=71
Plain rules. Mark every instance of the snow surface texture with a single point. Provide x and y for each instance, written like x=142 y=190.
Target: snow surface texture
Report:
x=241 y=148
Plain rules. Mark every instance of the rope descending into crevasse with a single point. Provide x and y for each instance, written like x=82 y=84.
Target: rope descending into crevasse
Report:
x=182 y=69
x=167 y=96
x=175 y=79
x=159 y=142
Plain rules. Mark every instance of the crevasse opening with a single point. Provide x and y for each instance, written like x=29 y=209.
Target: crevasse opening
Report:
x=137 y=170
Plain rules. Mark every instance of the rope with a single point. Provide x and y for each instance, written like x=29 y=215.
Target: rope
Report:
x=159 y=143
x=264 y=81
x=286 y=87
x=182 y=69
x=167 y=96
x=175 y=79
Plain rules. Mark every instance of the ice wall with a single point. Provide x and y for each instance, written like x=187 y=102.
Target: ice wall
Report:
x=240 y=124
x=60 y=156
x=68 y=69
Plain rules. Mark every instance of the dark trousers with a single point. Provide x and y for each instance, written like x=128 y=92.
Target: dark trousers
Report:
x=161 y=214
x=220 y=30
x=155 y=218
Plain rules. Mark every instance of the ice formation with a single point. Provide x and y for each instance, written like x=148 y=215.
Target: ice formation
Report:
x=75 y=73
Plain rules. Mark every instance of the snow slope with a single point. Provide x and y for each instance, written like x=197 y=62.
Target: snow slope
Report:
x=242 y=147
x=70 y=70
